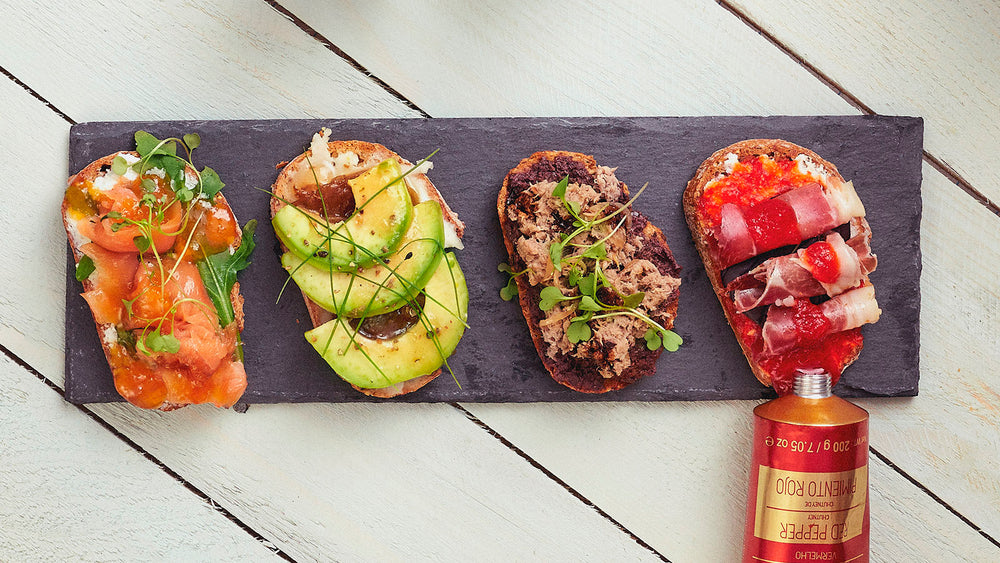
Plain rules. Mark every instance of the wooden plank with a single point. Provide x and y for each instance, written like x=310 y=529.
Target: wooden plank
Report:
x=34 y=143
x=72 y=491
x=679 y=57
x=940 y=60
x=683 y=487
x=730 y=70
x=948 y=438
x=179 y=60
x=375 y=482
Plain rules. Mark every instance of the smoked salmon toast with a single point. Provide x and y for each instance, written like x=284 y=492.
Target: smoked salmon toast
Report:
x=157 y=248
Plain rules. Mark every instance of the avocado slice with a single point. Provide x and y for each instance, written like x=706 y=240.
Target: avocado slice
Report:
x=374 y=230
x=374 y=363
x=373 y=290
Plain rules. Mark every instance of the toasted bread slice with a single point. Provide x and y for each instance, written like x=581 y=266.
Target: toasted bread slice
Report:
x=602 y=363
x=297 y=178
x=720 y=165
x=111 y=346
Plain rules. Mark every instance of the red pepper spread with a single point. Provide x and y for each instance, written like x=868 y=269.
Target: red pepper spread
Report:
x=750 y=183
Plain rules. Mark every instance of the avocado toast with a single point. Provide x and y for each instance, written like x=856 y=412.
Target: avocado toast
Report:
x=364 y=235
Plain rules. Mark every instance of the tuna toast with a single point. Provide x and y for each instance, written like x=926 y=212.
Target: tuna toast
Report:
x=637 y=260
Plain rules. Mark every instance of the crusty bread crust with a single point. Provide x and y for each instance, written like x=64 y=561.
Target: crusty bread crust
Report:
x=90 y=172
x=369 y=155
x=714 y=167
x=562 y=368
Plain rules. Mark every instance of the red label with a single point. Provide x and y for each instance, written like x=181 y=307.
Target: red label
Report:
x=808 y=494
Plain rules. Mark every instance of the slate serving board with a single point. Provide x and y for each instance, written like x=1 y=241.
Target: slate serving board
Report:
x=496 y=361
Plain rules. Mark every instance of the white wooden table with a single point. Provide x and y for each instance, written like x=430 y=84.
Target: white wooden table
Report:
x=604 y=482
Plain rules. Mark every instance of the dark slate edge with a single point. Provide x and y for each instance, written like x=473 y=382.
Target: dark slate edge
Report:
x=548 y=391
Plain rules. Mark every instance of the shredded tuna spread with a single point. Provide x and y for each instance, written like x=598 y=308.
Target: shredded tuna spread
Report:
x=542 y=219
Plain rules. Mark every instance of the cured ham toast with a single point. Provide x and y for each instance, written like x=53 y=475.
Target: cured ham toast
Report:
x=167 y=342
x=600 y=317
x=332 y=164
x=786 y=247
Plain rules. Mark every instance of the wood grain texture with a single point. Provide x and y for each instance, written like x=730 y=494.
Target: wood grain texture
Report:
x=72 y=491
x=34 y=143
x=180 y=60
x=948 y=438
x=699 y=58
x=676 y=475
x=314 y=474
x=940 y=60
x=375 y=483
x=678 y=57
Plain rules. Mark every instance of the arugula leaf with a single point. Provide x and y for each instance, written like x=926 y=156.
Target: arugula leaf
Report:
x=669 y=339
x=573 y=278
x=148 y=145
x=210 y=183
x=84 y=268
x=574 y=208
x=157 y=342
x=175 y=170
x=588 y=285
x=505 y=267
x=218 y=272
x=142 y=243
x=145 y=143
x=555 y=254
x=549 y=297
x=597 y=252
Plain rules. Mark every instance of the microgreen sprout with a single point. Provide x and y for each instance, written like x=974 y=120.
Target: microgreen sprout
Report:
x=164 y=211
x=585 y=276
x=510 y=290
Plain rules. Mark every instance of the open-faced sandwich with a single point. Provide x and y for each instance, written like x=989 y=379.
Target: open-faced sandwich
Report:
x=157 y=248
x=364 y=234
x=596 y=281
x=787 y=249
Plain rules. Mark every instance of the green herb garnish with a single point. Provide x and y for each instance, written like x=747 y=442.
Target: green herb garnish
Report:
x=585 y=277
x=218 y=272
x=84 y=268
x=509 y=291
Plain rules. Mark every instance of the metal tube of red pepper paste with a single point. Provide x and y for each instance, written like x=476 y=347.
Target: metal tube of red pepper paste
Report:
x=808 y=496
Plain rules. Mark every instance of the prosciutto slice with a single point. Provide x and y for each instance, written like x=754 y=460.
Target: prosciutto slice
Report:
x=805 y=324
x=789 y=218
x=827 y=267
